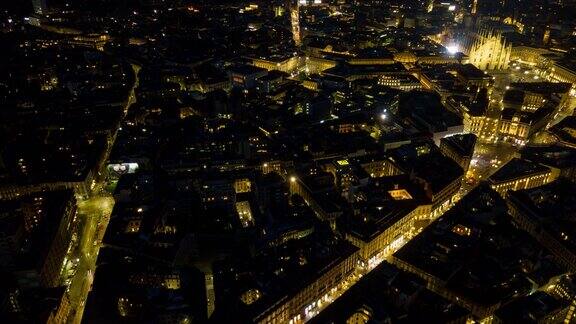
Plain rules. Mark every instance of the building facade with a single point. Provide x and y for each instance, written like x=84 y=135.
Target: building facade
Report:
x=487 y=49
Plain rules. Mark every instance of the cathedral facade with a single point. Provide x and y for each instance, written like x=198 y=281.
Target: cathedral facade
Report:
x=487 y=49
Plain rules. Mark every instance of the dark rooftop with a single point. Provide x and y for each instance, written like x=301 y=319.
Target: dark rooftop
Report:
x=469 y=71
x=377 y=295
x=565 y=130
x=553 y=207
x=346 y=70
x=542 y=87
x=517 y=168
x=426 y=111
x=247 y=69
x=425 y=161
x=529 y=309
x=475 y=251
x=381 y=210
x=556 y=156
x=463 y=144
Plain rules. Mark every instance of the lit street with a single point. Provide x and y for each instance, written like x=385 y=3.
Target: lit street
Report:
x=94 y=214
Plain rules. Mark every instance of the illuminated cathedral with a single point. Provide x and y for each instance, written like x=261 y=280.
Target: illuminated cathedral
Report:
x=487 y=49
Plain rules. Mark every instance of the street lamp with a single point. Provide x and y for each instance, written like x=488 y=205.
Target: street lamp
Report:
x=452 y=49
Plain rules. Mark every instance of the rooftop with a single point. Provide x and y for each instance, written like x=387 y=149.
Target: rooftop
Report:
x=37 y=221
x=542 y=87
x=476 y=251
x=374 y=52
x=247 y=69
x=426 y=111
x=346 y=70
x=378 y=296
x=529 y=309
x=276 y=274
x=469 y=71
x=556 y=156
x=50 y=157
x=565 y=130
x=389 y=199
x=463 y=144
x=517 y=168
x=528 y=117
x=424 y=160
x=553 y=207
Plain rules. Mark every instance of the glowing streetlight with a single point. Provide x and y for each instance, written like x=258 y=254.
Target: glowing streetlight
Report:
x=453 y=49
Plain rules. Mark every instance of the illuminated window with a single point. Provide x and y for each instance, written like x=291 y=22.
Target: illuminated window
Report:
x=462 y=230
x=133 y=226
x=400 y=194
x=250 y=296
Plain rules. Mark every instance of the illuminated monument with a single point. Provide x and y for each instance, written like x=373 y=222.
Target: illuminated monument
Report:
x=487 y=49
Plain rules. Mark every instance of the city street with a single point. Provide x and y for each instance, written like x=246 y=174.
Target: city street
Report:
x=487 y=158
x=490 y=154
x=94 y=214
x=355 y=276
